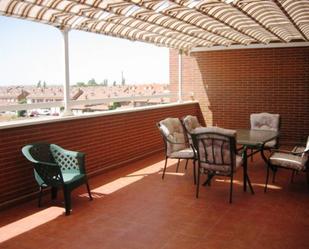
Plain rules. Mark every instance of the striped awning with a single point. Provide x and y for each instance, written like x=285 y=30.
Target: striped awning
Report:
x=180 y=24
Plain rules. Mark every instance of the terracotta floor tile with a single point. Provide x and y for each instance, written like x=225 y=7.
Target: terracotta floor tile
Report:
x=162 y=214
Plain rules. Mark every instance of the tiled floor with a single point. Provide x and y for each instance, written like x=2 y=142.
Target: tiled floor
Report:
x=134 y=208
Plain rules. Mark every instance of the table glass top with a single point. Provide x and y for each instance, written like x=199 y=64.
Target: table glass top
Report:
x=255 y=137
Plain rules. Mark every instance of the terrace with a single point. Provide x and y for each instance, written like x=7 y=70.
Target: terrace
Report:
x=262 y=67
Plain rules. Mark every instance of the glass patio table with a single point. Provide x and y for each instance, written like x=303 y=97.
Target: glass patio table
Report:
x=253 y=139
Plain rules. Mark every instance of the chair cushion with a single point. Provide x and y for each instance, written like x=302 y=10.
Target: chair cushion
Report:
x=288 y=160
x=173 y=130
x=185 y=153
x=191 y=123
x=223 y=169
x=215 y=129
x=264 y=121
x=271 y=144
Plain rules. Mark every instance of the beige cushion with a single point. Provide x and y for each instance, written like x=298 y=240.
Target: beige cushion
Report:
x=216 y=148
x=264 y=121
x=215 y=129
x=270 y=144
x=185 y=153
x=173 y=130
x=288 y=160
x=267 y=122
x=191 y=123
x=223 y=169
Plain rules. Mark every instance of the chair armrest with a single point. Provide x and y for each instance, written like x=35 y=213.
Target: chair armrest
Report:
x=172 y=142
x=288 y=152
x=48 y=164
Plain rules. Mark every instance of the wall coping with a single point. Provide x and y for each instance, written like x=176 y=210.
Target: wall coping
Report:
x=53 y=119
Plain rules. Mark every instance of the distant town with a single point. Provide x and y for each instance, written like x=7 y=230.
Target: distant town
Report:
x=43 y=93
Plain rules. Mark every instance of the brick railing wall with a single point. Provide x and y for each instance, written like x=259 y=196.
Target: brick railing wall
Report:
x=231 y=84
x=108 y=141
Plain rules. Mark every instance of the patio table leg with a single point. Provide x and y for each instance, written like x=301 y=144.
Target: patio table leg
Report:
x=245 y=158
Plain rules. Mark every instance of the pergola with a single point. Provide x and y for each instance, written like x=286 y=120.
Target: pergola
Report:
x=181 y=24
x=186 y=25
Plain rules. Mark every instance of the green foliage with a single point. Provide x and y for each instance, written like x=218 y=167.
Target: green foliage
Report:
x=39 y=84
x=44 y=84
x=80 y=84
x=92 y=82
x=22 y=113
x=114 y=106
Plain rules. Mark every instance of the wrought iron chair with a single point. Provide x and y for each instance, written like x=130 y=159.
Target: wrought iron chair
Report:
x=216 y=154
x=190 y=123
x=267 y=122
x=175 y=143
x=56 y=167
x=295 y=160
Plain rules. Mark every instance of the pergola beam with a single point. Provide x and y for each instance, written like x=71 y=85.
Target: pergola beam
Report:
x=253 y=46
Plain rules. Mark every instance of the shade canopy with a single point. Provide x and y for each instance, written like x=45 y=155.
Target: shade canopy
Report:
x=180 y=24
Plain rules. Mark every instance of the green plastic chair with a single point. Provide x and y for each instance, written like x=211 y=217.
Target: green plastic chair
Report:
x=57 y=168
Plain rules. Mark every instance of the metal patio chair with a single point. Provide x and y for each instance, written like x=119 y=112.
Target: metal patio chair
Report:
x=190 y=123
x=267 y=122
x=295 y=160
x=56 y=167
x=175 y=143
x=216 y=154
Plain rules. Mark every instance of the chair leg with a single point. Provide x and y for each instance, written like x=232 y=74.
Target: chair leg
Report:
x=67 y=201
x=231 y=188
x=307 y=173
x=208 y=180
x=164 y=168
x=89 y=192
x=252 y=155
x=267 y=177
x=54 y=192
x=40 y=197
x=177 y=166
x=198 y=181
x=274 y=173
x=194 y=171
x=186 y=164
x=292 y=177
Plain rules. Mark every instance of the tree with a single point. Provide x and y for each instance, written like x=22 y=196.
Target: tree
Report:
x=22 y=113
x=114 y=106
x=39 y=84
x=114 y=83
x=92 y=82
x=80 y=84
x=44 y=84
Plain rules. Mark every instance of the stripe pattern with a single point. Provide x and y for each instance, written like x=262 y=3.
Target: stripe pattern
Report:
x=180 y=24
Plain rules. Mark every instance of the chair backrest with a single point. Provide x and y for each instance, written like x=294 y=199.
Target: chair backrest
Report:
x=216 y=146
x=40 y=155
x=190 y=123
x=38 y=152
x=173 y=134
x=265 y=121
x=67 y=160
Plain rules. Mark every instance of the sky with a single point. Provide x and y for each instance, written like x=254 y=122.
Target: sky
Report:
x=32 y=52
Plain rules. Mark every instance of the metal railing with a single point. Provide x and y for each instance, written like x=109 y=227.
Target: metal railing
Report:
x=72 y=103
